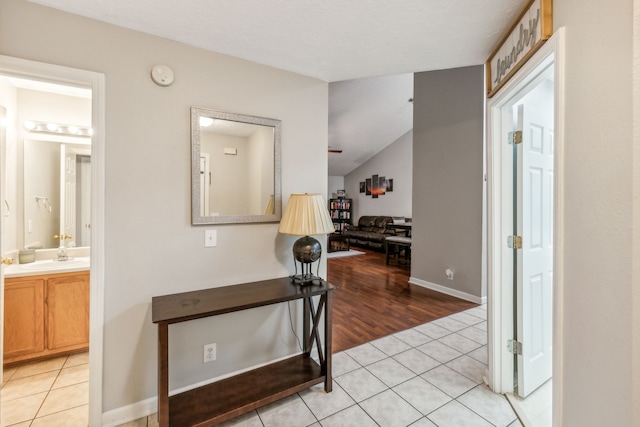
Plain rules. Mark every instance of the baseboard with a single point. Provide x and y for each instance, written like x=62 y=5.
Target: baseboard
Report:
x=128 y=413
x=448 y=291
x=144 y=408
x=517 y=408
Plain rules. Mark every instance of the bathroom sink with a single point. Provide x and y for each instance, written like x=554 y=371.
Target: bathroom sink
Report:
x=54 y=265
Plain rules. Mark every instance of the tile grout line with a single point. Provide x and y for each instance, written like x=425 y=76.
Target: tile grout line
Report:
x=414 y=374
x=477 y=385
x=420 y=375
x=48 y=391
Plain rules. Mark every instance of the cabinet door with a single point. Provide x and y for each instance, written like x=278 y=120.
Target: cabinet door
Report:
x=23 y=317
x=68 y=311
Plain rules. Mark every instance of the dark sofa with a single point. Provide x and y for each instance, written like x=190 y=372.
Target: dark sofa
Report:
x=370 y=232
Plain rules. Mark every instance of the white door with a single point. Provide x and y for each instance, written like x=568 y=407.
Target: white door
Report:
x=68 y=194
x=83 y=188
x=534 y=265
x=205 y=184
x=5 y=213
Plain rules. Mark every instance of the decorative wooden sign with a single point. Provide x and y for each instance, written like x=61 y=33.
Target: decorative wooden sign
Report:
x=532 y=28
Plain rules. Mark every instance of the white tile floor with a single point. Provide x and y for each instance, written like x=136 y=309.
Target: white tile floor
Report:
x=430 y=375
x=51 y=393
x=536 y=409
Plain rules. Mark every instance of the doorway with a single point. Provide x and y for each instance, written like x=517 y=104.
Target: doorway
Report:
x=524 y=229
x=94 y=83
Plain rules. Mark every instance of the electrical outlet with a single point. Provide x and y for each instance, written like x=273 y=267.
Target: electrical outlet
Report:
x=209 y=354
x=449 y=273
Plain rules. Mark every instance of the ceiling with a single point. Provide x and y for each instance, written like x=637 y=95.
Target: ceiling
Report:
x=332 y=40
x=365 y=116
x=49 y=87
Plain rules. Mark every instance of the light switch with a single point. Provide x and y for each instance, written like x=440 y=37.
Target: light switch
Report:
x=210 y=238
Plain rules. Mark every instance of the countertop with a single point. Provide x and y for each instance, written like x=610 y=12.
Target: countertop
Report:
x=47 y=267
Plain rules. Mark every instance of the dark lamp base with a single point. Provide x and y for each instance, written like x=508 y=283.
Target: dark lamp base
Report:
x=306 y=279
x=306 y=251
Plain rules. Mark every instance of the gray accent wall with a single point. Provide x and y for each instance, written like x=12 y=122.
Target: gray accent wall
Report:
x=448 y=129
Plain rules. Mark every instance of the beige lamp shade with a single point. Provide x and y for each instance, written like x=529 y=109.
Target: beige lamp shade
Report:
x=306 y=215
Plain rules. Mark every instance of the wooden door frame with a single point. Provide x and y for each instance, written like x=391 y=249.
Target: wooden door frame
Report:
x=499 y=267
x=96 y=81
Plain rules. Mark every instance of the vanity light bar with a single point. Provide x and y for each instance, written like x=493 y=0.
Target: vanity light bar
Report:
x=57 y=128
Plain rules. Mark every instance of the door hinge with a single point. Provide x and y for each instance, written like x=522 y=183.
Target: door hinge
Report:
x=514 y=346
x=515 y=137
x=514 y=242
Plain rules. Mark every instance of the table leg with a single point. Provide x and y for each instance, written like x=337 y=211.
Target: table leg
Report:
x=306 y=326
x=386 y=250
x=163 y=374
x=314 y=336
x=328 y=338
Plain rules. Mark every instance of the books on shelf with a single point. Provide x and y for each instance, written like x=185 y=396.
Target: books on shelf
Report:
x=339 y=227
x=340 y=204
x=340 y=212
x=335 y=214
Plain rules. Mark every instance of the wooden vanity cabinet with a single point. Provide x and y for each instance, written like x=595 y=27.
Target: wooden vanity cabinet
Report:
x=67 y=304
x=23 y=317
x=45 y=315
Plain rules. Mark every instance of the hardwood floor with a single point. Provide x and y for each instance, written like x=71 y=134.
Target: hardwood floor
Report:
x=376 y=300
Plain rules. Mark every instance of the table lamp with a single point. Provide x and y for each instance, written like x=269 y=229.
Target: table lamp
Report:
x=306 y=215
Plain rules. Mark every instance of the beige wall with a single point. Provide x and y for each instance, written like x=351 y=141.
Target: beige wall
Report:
x=9 y=155
x=597 y=325
x=448 y=180
x=229 y=174
x=151 y=248
x=635 y=282
x=334 y=184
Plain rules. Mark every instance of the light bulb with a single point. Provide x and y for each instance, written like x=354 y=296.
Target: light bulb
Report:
x=29 y=125
x=206 y=121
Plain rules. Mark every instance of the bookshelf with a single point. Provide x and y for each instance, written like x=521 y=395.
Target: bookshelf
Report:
x=340 y=212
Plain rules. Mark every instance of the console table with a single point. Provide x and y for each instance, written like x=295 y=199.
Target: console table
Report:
x=225 y=399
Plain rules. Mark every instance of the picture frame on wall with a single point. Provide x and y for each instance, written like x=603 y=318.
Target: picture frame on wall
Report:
x=376 y=186
x=382 y=185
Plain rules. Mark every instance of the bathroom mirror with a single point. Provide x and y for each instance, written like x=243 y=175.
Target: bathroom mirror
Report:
x=235 y=168
x=57 y=192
